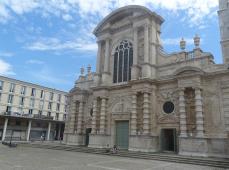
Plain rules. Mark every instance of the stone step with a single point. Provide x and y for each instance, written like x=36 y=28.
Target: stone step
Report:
x=215 y=162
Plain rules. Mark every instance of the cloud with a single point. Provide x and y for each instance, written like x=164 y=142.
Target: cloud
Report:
x=46 y=75
x=6 y=54
x=34 y=62
x=196 y=11
x=176 y=41
x=67 y=17
x=54 y=44
x=5 y=68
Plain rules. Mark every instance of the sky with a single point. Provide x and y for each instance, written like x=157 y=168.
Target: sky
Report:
x=47 y=41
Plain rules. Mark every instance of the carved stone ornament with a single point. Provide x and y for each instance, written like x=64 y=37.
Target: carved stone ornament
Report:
x=168 y=119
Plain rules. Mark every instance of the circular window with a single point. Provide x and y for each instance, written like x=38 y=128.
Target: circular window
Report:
x=168 y=107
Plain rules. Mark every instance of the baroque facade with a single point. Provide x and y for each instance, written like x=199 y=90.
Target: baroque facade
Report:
x=142 y=99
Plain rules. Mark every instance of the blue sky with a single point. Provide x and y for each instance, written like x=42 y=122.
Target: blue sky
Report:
x=47 y=41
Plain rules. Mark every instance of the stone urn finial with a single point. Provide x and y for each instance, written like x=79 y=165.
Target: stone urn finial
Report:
x=89 y=69
x=182 y=44
x=82 y=71
x=196 y=41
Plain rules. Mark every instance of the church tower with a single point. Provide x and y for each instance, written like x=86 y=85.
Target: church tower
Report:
x=224 y=28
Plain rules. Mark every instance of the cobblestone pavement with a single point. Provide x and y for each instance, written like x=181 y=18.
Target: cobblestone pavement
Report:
x=23 y=158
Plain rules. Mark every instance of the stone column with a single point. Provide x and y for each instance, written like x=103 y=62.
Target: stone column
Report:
x=59 y=130
x=28 y=130
x=146 y=44
x=103 y=116
x=94 y=114
x=72 y=117
x=80 y=118
x=98 y=57
x=146 y=115
x=49 y=129
x=183 y=128
x=135 y=68
x=107 y=49
x=4 y=129
x=134 y=115
x=199 y=113
x=146 y=70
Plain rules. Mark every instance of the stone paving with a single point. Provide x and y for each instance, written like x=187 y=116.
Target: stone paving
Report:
x=26 y=158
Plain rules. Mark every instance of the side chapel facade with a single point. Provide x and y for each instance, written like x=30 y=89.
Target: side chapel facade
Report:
x=142 y=99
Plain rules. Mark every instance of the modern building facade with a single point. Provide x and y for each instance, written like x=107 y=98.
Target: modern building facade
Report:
x=29 y=111
x=143 y=99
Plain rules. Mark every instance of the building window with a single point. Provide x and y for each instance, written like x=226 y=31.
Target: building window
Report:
x=21 y=101
x=57 y=116
x=42 y=94
x=20 y=110
x=40 y=112
x=8 y=109
x=10 y=99
x=123 y=60
x=65 y=99
x=59 y=98
x=32 y=102
x=23 y=90
x=64 y=116
x=12 y=87
x=58 y=107
x=33 y=92
x=0 y=96
x=51 y=96
x=1 y=85
x=50 y=106
x=30 y=111
x=49 y=114
x=168 y=107
x=65 y=108
x=41 y=106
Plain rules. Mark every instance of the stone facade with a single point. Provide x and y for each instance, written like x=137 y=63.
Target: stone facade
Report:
x=172 y=102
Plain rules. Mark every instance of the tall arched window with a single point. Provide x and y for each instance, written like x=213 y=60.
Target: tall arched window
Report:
x=123 y=60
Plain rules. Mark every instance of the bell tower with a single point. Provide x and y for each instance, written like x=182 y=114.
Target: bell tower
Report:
x=223 y=14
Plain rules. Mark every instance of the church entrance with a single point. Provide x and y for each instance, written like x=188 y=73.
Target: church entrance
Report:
x=168 y=140
x=122 y=134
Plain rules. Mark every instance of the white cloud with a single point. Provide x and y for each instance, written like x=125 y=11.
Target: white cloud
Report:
x=46 y=75
x=6 y=54
x=54 y=44
x=176 y=41
x=5 y=68
x=34 y=62
x=196 y=11
x=67 y=17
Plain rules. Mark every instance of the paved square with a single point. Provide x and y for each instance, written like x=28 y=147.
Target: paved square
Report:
x=23 y=158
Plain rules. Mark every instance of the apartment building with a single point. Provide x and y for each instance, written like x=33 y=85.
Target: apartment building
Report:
x=29 y=111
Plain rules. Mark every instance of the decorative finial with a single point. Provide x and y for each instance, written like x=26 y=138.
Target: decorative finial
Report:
x=89 y=69
x=82 y=71
x=182 y=44
x=196 y=41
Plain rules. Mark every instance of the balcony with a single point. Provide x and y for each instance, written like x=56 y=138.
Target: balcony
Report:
x=38 y=116
x=17 y=114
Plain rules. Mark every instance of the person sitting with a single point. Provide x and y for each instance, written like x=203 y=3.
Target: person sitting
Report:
x=114 y=149
x=107 y=148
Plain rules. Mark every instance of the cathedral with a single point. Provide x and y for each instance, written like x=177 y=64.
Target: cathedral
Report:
x=142 y=99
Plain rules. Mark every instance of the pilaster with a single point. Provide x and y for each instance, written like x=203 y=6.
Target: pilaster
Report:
x=102 y=116
x=199 y=113
x=80 y=118
x=183 y=127
x=146 y=112
x=94 y=114
x=134 y=115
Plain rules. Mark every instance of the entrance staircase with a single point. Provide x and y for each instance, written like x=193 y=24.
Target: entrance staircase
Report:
x=213 y=162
